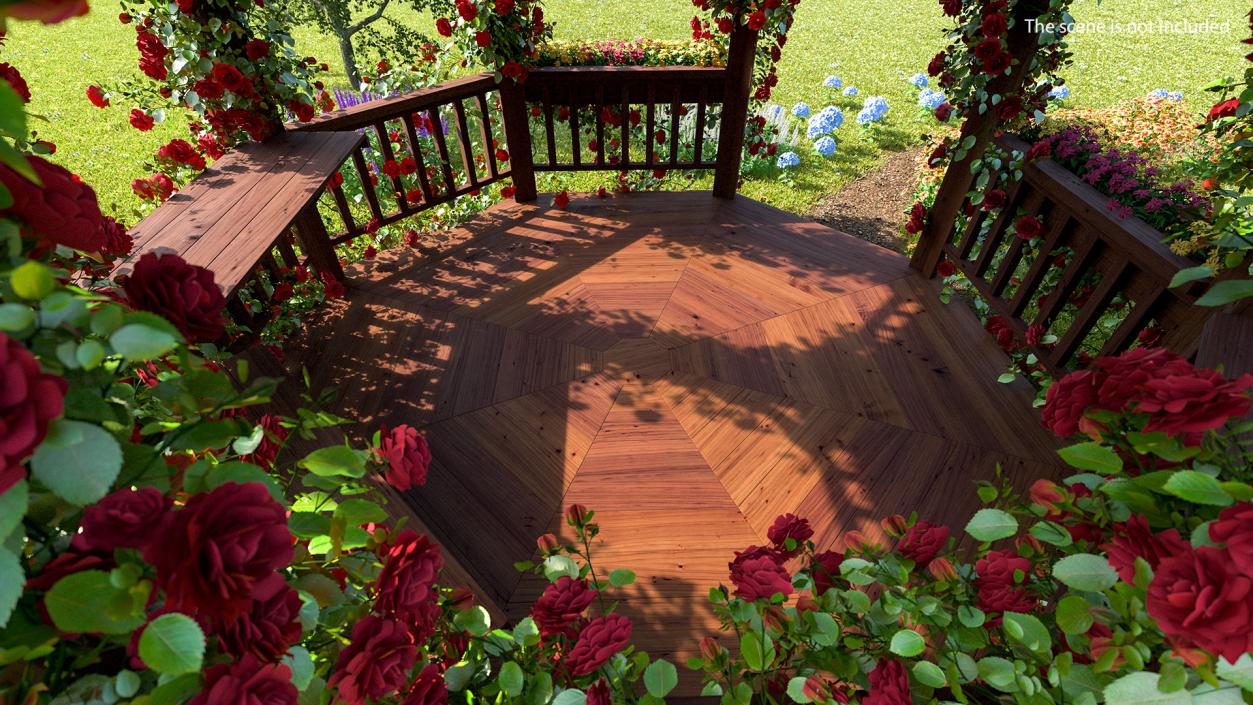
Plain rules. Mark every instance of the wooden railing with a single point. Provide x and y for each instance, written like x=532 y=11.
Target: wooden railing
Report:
x=1093 y=280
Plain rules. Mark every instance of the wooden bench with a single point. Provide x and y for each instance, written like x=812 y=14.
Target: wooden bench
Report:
x=236 y=216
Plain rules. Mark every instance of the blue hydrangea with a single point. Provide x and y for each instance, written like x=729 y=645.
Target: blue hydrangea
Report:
x=774 y=113
x=1159 y=93
x=920 y=80
x=834 y=115
x=788 y=160
x=801 y=110
x=850 y=91
x=825 y=146
x=1176 y=96
x=830 y=118
x=930 y=99
x=1060 y=93
x=832 y=82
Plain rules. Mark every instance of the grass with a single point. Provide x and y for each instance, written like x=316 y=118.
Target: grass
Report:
x=873 y=45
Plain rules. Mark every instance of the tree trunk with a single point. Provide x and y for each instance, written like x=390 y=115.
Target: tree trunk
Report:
x=343 y=35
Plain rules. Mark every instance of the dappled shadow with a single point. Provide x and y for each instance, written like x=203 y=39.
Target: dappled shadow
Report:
x=688 y=367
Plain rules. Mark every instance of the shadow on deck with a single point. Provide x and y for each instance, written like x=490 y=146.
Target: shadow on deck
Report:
x=689 y=368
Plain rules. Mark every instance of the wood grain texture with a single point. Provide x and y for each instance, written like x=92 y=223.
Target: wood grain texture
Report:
x=688 y=367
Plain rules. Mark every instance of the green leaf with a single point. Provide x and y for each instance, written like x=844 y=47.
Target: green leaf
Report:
x=621 y=577
x=1198 y=488
x=999 y=673
x=660 y=678
x=907 y=643
x=1141 y=689
x=929 y=674
x=12 y=112
x=77 y=461
x=127 y=683
x=87 y=602
x=1240 y=672
x=511 y=679
x=758 y=651
x=570 y=696
x=32 y=280
x=300 y=661
x=972 y=617
x=828 y=629
x=16 y=317
x=175 y=691
x=172 y=644
x=1226 y=291
x=1051 y=533
x=796 y=689
x=335 y=461
x=1190 y=274
x=475 y=620
x=360 y=511
x=557 y=566
x=1092 y=456
x=1085 y=571
x=137 y=342
x=1028 y=631
x=13 y=505
x=1074 y=615
x=12 y=578
x=207 y=435
x=991 y=524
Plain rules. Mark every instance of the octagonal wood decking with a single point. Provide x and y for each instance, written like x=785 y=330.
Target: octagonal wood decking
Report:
x=689 y=368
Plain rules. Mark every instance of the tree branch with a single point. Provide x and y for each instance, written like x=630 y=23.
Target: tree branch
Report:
x=354 y=28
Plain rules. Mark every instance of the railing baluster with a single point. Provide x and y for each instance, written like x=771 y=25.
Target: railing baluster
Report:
x=489 y=141
x=367 y=184
x=345 y=212
x=463 y=139
x=1090 y=314
x=1009 y=263
x=996 y=234
x=600 y=124
x=675 y=106
x=699 y=157
x=1086 y=247
x=1040 y=266
x=548 y=128
x=1139 y=314
x=286 y=252
x=575 y=138
x=626 y=125
x=441 y=143
x=651 y=125
x=415 y=151
x=385 y=146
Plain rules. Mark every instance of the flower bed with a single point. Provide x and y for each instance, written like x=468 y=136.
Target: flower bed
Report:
x=631 y=52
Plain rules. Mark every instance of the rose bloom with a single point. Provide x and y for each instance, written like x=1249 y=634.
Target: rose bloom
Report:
x=598 y=693
x=562 y=603
x=141 y=121
x=218 y=548
x=407 y=454
x=257 y=49
x=789 y=526
x=1124 y=377
x=1135 y=539
x=598 y=642
x=62 y=210
x=1193 y=403
x=29 y=400
x=376 y=663
x=1202 y=598
x=247 y=681
x=923 y=542
x=13 y=77
x=182 y=293
x=1234 y=528
x=406 y=585
x=998 y=589
x=116 y=240
x=889 y=684
x=429 y=688
x=125 y=519
x=1066 y=402
x=758 y=574
x=181 y=152
x=270 y=626
x=1028 y=227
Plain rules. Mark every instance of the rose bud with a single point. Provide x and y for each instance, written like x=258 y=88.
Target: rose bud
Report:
x=1047 y=494
x=774 y=618
x=942 y=569
x=547 y=543
x=577 y=516
x=711 y=650
x=1030 y=542
x=894 y=525
x=815 y=689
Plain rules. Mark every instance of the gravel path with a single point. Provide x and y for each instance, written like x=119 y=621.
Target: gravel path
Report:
x=874 y=207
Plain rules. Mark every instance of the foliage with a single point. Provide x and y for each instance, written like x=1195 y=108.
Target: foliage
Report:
x=1087 y=591
x=631 y=52
x=1161 y=130
x=502 y=35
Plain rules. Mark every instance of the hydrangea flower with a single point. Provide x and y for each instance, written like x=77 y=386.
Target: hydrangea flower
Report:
x=930 y=99
x=920 y=80
x=872 y=110
x=825 y=146
x=773 y=113
x=788 y=160
x=850 y=91
x=830 y=118
x=1060 y=93
x=1159 y=93
x=801 y=110
x=832 y=82
x=834 y=115
x=1176 y=96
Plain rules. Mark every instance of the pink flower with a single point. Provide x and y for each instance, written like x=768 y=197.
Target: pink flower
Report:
x=407 y=455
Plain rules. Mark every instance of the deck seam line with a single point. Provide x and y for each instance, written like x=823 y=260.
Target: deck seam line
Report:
x=673 y=289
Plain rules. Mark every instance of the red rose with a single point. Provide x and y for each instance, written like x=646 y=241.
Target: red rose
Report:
x=507 y=192
x=256 y=49
x=406 y=585
x=938 y=154
x=789 y=526
x=467 y=10
x=758 y=574
x=1193 y=403
x=1124 y=377
x=141 y=121
x=1028 y=227
x=561 y=200
x=182 y=293
x=993 y=199
x=943 y=112
x=1202 y=598
x=598 y=642
x=247 y=681
x=889 y=685
x=483 y=39
x=936 y=67
x=125 y=519
x=917 y=219
x=923 y=542
x=999 y=583
x=429 y=688
x=208 y=89
x=561 y=605
x=1234 y=528
x=233 y=80
x=1227 y=108
x=217 y=549
x=269 y=627
x=757 y=20
x=272 y=432
x=376 y=663
x=181 y=152
x=945 y=268
x=952 y=8
x=996 y=65
x=824 y=570
x=987 y=49
x=504 y=7
x=598 y=693
x=1039 y=150
x=302 y=110
x=95 y=94
x=152 y=54
x=1067 y=400
x=1009 y=108
x=444 y=27
x=29 y=400
x=117 y=241
x=1035 y=333
x=1135 y=539
x=63 y=210
x=14 y=78
x=332 y=288
x=407 y=455
x=994 y=25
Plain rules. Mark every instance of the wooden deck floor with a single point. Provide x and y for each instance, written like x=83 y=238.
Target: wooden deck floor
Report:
x=689 y=368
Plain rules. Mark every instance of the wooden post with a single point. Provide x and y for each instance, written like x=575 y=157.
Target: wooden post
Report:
x=951 y=197
x=316 y=242
x=518 y=138
x=739 y=82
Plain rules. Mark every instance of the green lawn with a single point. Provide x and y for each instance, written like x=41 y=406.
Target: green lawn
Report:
x=875 y=45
